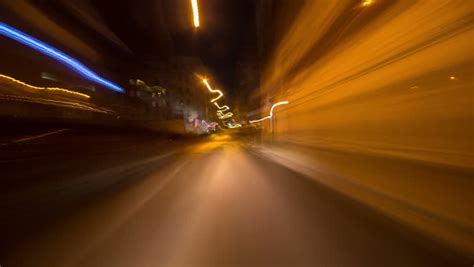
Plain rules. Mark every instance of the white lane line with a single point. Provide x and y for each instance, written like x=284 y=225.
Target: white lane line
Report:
x=39 y=136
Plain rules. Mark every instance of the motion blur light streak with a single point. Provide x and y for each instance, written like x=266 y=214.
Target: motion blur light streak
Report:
x=217 y=98
x=220 y=112
x=75 y=65
x=221 y=108
x=367 y=2
x=276 y=105
x=223 y=116
x=342 y=134
x=234 y=125
x=195 y=7
x=212 y=90
x=52 y=102
x=259 y=120
x=54 y=89
x=271 y=112
x=392 y=81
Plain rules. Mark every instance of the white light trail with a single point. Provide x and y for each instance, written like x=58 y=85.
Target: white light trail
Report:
x=195 y=13
x=271 y=112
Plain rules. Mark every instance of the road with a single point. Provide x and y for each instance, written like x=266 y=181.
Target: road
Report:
x=74 y=198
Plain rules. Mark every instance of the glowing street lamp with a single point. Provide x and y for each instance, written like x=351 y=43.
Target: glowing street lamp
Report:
x=194 y=4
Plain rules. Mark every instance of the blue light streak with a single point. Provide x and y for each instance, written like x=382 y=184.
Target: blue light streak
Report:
x=44 y=48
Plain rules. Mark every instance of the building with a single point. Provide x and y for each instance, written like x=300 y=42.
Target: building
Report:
x=172 y=88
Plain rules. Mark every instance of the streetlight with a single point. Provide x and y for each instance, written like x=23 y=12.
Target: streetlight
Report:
x=194 y=4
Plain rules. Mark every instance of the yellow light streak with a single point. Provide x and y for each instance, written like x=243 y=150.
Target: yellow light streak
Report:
x=367 y=2
x=219 y=112
x=54 y=89
x=259 y=120
x=222 y=116
x=59 y=103
x=271 y=112
x=234 y=126
x=212 y=90
x=221 y=108
x=194 y=4
x=217 y=98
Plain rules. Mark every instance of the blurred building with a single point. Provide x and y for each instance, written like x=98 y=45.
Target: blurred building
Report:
x=247 y=77
x=274 y=19
x=183 y=93
x=76 y=29
x=360 y=80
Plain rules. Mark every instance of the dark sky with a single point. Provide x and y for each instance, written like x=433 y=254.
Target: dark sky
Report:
x=231 y=30
x=157 y=28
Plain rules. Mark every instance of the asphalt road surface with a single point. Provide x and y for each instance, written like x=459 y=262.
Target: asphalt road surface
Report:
x=74 y=198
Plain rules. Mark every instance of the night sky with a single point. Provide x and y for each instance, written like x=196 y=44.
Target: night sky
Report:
x=156 y=29
x=231 y=30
